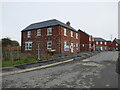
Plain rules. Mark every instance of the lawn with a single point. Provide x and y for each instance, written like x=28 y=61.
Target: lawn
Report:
x=16 y=62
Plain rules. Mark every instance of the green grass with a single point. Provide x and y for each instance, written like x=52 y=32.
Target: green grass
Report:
x=16 y=62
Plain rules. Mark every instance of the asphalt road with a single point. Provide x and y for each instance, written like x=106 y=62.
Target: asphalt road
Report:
x=95 y=72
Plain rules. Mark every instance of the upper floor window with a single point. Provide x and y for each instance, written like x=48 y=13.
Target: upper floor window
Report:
x=28 y=45
x=39 y=32
x=65 y=32
x=49 y=44
x=105 y=43
x=116 y=44
x=49 y=31
x=100 y=42
x=29 y=34
x=96 y=42
x=76 y=35
x=71 y=33
x=89 y=38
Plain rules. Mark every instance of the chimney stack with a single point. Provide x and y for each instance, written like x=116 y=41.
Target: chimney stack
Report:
x=68 y=23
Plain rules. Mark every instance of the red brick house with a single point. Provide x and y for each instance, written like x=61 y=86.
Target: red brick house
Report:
x=116 y=45
x=50 y=36
x=86 y=41
x=101 y=44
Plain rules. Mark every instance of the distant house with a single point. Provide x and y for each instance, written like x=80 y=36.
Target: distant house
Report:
x=116 y=44
x=50 y=36
x=101 y=44
x=86 y=41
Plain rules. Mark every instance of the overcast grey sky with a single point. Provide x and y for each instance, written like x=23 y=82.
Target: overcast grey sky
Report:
x=99 y=19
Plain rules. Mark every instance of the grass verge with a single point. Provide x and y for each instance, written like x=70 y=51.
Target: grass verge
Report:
x=16 y=62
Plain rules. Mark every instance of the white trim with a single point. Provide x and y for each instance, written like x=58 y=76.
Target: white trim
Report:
x=28 y=34
x=65 y=32
x=39 y=32
x=28 y=45
x=49 y=31
x=49 y=46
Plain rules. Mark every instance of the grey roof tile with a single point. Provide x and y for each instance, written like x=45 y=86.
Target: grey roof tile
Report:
x=48 y=23
x=99 y=39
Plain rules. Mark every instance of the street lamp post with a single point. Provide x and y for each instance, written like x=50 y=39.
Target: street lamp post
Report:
x=38 y=51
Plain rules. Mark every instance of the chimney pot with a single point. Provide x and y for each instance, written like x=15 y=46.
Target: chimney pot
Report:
x=68 y=23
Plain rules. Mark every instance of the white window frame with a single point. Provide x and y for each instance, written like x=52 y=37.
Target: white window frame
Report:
x=116 y=44
x=48 y=45
x=105 y=43
x=28 y=34
x=65 y=32
x=101 y=42
x=96 y=42
x=28 y=45
x=39 y=32
x=89 y=38
x=89 y=45
x=77 y=46
x=65 y=43
x=76 y=35
x=71 y=34
x=49 y=31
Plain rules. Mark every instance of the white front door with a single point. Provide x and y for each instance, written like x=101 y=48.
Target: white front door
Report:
x=72 y=48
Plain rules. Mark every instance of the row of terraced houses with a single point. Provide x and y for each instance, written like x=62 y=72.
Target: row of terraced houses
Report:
x=58 y=37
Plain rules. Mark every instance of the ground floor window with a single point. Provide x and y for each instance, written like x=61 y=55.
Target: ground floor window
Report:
x=76 y=46
x=49 y=44
x=28 y=45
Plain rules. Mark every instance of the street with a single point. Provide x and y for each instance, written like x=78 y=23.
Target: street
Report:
x=95 y=72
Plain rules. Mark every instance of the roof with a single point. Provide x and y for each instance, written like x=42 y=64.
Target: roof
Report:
x=99 y=39
x=84 y=32
x=117 y=40
x=48 y=23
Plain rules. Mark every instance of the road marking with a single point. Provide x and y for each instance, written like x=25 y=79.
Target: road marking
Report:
x=35 y=68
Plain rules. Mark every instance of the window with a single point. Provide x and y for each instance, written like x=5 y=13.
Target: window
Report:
x=65 y=32
x=96 y=42
x=66 y=47
x=89 y=38
x=76 y=35
x=116 y=44
x=49 y=31
x=83 y=45
x=29 y=34
x=89 y=45
x=28 y=45
x=39 y=32
x=65 y=43
x=100 y=42
x=76 y=46
x=105 y=43
x=71 y=33
x=49 y=44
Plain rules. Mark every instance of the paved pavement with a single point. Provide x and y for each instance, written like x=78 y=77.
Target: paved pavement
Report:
x=95 y=72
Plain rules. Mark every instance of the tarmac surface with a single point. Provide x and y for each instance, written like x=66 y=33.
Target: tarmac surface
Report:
x=95 y=72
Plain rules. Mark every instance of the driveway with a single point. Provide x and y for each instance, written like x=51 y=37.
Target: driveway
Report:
x=94 y=72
